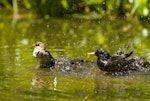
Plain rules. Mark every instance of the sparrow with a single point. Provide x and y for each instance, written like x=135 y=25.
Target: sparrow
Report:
x=45 y=59
x=42 y=55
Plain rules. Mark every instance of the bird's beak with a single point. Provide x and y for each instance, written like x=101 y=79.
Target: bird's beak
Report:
x=91 y=53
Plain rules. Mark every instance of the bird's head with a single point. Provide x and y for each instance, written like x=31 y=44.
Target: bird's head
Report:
x=102 y=54
x=40 y=45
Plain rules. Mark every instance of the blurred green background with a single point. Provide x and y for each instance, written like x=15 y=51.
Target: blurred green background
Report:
x=71 y=28
x=96 y=8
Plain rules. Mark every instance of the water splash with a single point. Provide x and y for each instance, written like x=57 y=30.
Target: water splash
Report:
x=55 y=83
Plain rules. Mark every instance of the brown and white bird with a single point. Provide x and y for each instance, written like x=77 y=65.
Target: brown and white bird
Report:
x=45 y=59
x=42 y=55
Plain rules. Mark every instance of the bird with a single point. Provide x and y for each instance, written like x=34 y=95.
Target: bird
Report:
x=119 y=62
x=46 y=60
x=42 y=55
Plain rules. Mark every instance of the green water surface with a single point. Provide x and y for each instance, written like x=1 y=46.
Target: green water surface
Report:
x=22 y=80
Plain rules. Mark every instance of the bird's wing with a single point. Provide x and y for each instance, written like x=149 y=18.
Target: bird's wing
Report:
x=128 y=54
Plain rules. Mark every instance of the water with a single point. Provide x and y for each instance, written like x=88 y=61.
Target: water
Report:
x=21 y=79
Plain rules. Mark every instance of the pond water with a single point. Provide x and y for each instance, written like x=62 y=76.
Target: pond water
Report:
x=21 y=79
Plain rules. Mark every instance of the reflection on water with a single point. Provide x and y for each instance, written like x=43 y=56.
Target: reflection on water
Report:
x=20 y=79
x=41 y=78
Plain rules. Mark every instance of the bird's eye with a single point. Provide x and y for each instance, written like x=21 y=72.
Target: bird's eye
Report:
x=37 y=45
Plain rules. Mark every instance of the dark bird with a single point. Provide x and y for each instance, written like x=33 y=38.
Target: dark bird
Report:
x=45 y=59
x=120 y=62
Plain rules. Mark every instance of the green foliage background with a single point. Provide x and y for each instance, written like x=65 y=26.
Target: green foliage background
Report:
x=140 y=8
